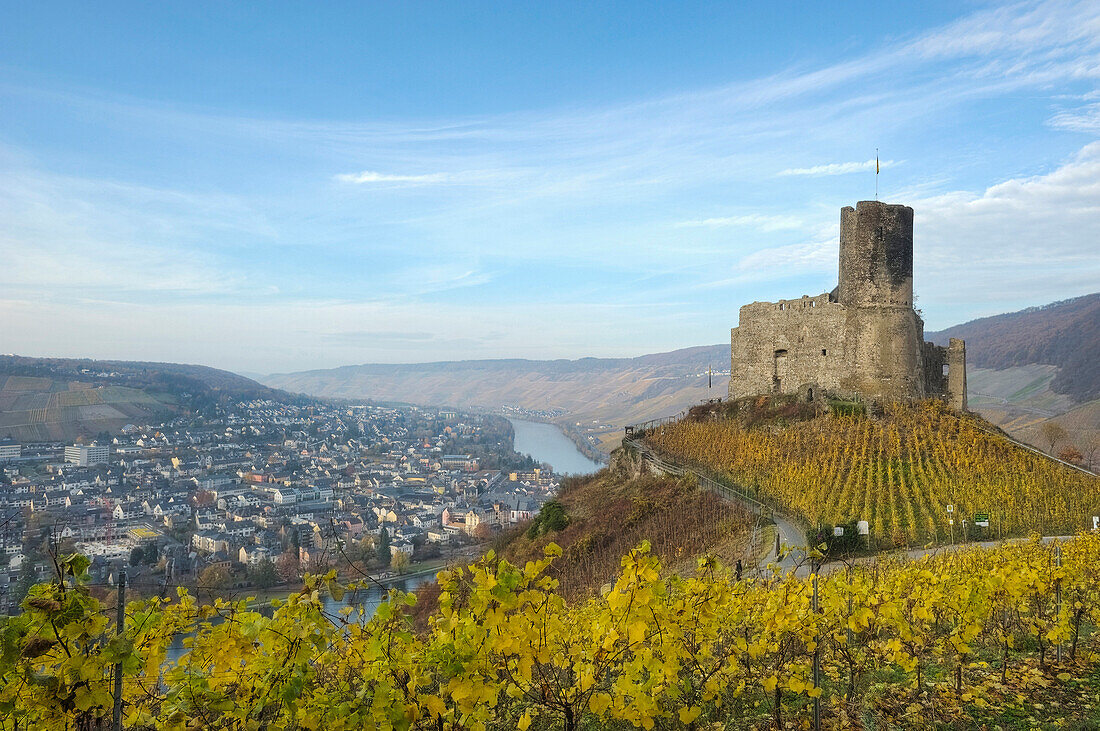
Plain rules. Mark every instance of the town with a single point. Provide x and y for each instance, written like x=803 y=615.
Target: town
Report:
x=262 y=491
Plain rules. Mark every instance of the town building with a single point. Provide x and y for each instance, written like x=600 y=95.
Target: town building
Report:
x=87 y=455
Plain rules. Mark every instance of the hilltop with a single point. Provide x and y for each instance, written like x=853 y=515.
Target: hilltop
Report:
x=1063 y=334
x=59 y=399
x=898 y=468
x=1024 y=368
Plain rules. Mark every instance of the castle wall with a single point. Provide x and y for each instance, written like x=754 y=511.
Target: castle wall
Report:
x=956 y=373
x=934 y=358
x=884 y=353
x=787 y=347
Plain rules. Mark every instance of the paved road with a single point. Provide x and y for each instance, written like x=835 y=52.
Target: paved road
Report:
x=790 y=535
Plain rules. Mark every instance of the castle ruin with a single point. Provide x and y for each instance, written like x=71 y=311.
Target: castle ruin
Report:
x=863 y=339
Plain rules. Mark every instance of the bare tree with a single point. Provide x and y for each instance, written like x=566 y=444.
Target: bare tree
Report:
x=1071 y=454
x=1052 y=433
x=1090 y=449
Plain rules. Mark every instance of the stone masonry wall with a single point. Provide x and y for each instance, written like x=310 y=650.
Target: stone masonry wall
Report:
x=956 y=373
x=788 y=346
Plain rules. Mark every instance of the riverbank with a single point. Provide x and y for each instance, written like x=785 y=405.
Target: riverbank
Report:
x=548 y=442
x=284 y=589
x=582 y=444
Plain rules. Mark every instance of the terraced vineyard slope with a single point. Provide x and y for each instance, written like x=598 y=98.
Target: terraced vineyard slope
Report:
x=60 y=399
x=899 y=470
x=44 y=409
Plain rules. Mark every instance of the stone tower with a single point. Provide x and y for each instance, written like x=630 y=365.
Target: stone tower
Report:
x=864 y=339
x=883 y=334
x=876 y=255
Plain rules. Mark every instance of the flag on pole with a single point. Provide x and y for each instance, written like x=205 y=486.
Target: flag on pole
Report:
x=876 y=173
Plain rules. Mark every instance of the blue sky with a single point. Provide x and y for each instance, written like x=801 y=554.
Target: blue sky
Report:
x=273 y=186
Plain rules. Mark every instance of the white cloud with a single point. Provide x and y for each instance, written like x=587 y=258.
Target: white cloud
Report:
x=71 y=238
x=566 y=188
x=369 y=176
x=839 y=168
x=812 y=260
x=1027 y=239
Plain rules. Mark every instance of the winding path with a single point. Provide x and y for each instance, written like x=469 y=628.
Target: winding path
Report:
x=788 y=532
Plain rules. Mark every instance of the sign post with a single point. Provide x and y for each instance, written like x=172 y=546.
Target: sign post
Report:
x=981 y=520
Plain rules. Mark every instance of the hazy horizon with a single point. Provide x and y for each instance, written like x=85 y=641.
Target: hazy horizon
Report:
x=277 y=189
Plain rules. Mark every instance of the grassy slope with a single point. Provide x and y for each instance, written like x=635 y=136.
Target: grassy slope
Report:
x=1064 y=334
x=610 y=513
x=43 y=409
x=58 y=399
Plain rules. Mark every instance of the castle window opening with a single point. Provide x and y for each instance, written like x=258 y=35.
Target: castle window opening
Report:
x=780 y=371
x=946 y=368
x=823 y=351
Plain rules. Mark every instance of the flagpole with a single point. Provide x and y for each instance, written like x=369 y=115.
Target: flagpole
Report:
x=876 y=173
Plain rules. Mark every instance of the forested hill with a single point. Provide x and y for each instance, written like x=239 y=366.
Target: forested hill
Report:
x=55 y=399
x=168 y=377
x=1065 y=334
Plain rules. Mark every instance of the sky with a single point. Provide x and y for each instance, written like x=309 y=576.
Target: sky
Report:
x=271 y=187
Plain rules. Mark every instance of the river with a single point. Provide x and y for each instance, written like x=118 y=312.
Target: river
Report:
x=547 y=443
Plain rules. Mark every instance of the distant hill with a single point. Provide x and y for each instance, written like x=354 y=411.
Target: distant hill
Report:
x=1024 y=368
x=602 y=394
x=59 y=399
x=1036 y=366
x=1064 y=334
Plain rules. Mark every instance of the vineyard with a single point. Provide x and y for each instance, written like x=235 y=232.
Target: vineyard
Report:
x=899 y=471
x=973 y=638
x=41 y=409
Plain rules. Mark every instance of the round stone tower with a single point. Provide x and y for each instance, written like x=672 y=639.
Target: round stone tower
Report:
x=876 y=255
x=883 y=334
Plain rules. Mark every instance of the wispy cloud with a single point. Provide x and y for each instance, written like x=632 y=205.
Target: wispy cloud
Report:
x=812 y=259
x=838 y=168
x=370 y=176
x=462 y=223
x=751 y=220
x=1084 y=119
